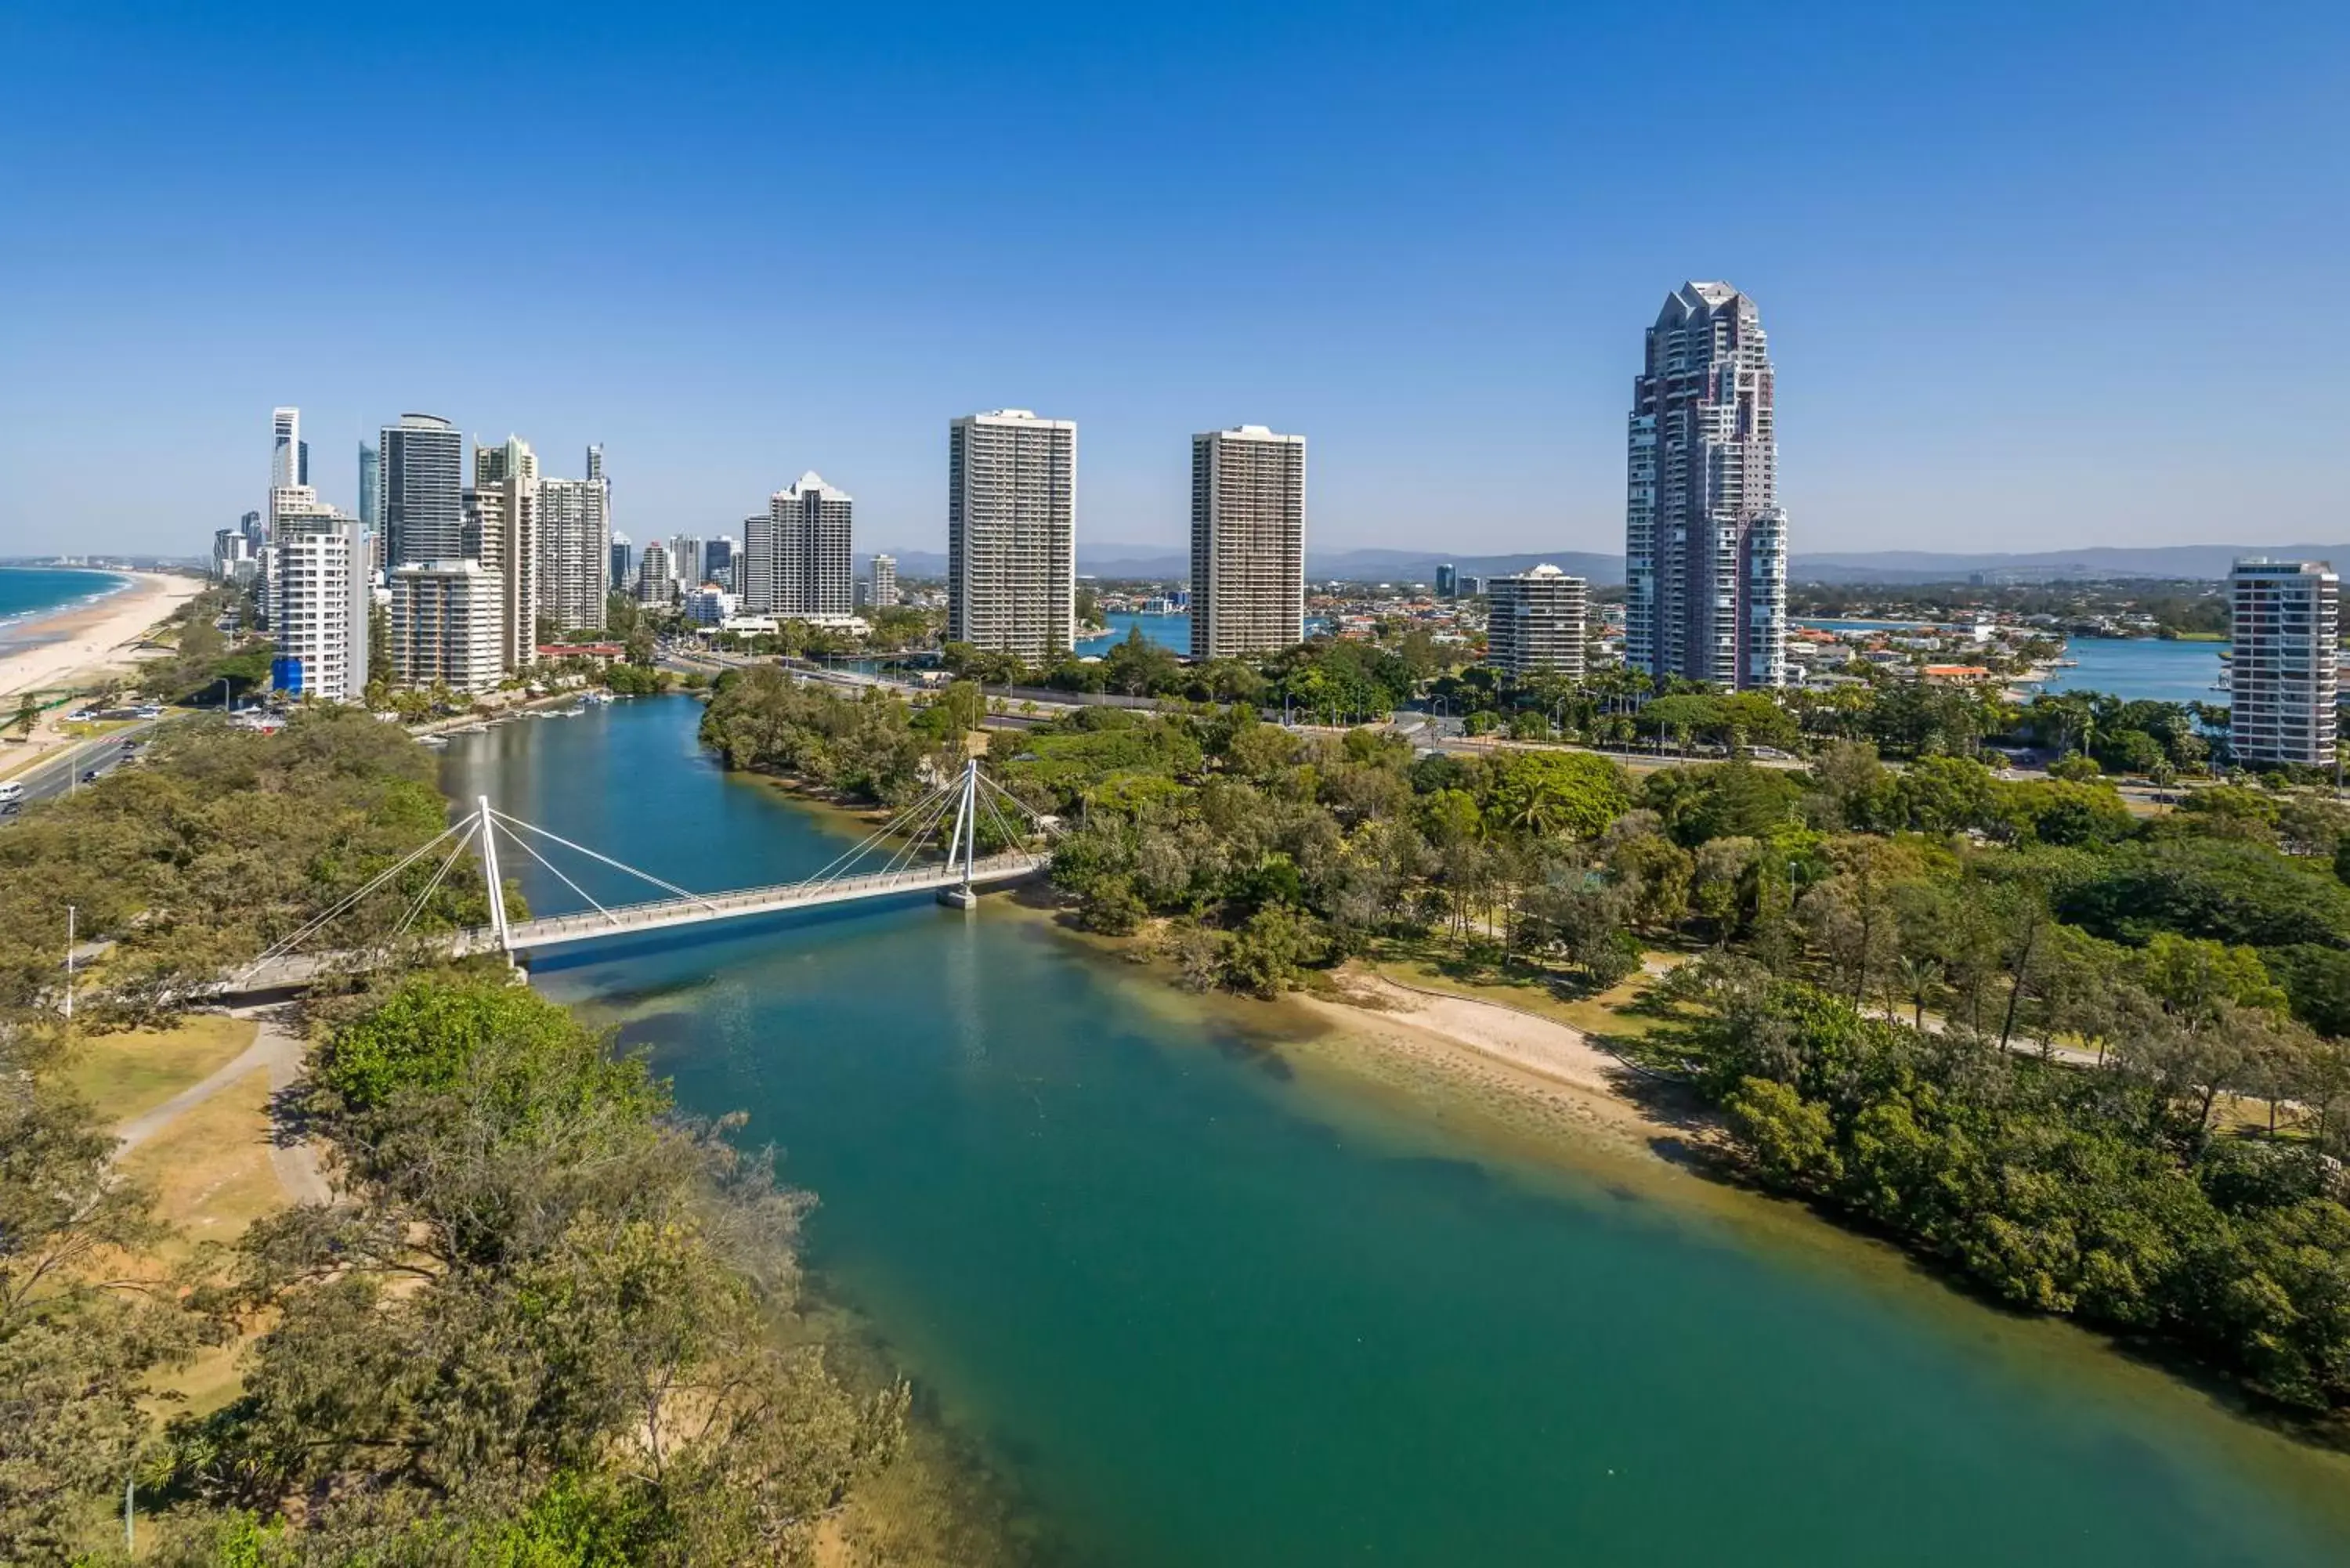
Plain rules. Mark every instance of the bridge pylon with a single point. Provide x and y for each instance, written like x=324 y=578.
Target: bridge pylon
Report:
x=965 y=841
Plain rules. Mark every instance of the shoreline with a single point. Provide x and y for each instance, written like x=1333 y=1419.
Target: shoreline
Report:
x=71 y=645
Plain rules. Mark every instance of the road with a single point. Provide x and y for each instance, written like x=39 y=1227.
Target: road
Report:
x=53 y=775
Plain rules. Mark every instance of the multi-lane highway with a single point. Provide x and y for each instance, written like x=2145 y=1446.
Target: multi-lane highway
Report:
x=62 y=770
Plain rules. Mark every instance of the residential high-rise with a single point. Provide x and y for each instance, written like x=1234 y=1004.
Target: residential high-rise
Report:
x=319 y=599
x=1448 y=581
x=2284 y=671
x=795 y=559
x=653 y=580
x=718 y=562
x=302 y=466
x=685 y=559
x=575 y=531
x=1012 y=551
x=1534 y=622
x=1248 y=541
x=286 y=449
x=1705 y=542
x=448 y=626
x=370 y=514
x=421 y=485
x=508 y=535
x=620 y=562
x=883 y=592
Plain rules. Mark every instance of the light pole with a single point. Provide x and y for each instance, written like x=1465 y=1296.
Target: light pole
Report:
x=69 y=958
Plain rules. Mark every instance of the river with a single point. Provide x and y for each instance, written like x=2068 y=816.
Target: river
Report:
x=1200 y=1294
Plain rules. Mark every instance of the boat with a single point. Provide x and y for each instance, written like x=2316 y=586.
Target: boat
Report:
x=432 y=739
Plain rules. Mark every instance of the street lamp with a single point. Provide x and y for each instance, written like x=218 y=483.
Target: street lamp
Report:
x=69 y=961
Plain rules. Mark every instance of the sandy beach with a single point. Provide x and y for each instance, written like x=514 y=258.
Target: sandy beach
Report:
x=1508 y=1056
x=75 y=645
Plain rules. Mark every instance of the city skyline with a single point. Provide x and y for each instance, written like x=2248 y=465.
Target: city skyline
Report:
x=2066 y=169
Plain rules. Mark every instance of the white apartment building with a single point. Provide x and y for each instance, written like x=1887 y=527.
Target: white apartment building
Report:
x=2283 y=672
x=1248 y=541
x=508 y=536
x=1705 y=542
x=795 y=559
x=575 y=569
x=883 y=593
x=448 y=625
x=1534 y=622
x=653 y=581
x=318 y=600
x=1011 y=549
x=286 y=449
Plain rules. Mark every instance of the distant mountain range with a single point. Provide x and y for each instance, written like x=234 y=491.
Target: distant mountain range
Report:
x=2209 y=561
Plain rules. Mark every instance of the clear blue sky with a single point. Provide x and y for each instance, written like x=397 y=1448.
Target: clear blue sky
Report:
x=2036 y=276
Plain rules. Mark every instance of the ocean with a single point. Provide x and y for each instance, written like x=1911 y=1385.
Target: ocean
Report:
x=29 y=592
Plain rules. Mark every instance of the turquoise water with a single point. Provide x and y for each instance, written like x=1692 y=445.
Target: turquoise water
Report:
x=27 y=592
x=1198 y=1300
x=1167 y=631
x=2144 y=669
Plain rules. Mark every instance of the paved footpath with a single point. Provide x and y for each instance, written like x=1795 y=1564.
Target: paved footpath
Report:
x=276 y=1047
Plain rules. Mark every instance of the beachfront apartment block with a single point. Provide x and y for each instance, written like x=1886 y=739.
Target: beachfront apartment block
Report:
x=2284 y=669
x=319 y=599
x=1705 y=541
x=1248 y=541
x=1012 y=551
x=1535 y=622
x=796 y=557
x=448 y=626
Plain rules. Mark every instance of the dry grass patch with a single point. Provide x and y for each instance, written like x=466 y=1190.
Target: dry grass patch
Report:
x=210 y=1168
x=124 y=1075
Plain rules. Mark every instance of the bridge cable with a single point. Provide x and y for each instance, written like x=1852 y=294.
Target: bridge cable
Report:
x=917 y=836
x=523 y=844
x=435 y=886
x=848 y=857
x=286 y=944
x=686 y=893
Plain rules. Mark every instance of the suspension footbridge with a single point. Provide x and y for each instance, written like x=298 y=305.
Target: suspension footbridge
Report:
x=899 y=857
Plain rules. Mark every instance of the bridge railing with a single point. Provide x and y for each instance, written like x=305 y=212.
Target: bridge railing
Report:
x=776 y=896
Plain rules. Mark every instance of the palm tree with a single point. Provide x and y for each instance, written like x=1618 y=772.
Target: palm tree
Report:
x=1920 y=978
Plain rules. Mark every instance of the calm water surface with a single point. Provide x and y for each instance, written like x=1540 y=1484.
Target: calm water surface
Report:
x=1203 y=1307
x=2144 y=669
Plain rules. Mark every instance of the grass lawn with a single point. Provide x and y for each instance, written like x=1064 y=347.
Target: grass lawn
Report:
x=123 y=1074
x=211 y=1173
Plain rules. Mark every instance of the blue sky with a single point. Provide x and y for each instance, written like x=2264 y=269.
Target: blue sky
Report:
x=2035 y=275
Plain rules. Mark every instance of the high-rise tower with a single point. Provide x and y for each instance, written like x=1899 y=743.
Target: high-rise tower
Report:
x=2283 y=682
x=796 y=558
x=286 y=449
x=420 y=487
x=1012 y=552
x=1248 y=541
x=1705 y=541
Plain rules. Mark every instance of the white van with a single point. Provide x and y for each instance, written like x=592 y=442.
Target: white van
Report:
x=12 y=795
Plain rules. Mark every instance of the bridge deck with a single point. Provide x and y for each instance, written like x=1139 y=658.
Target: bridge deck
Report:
x=549 y=930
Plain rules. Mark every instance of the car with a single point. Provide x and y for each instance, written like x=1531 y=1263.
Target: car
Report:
x=129 y=745
x=89 y=777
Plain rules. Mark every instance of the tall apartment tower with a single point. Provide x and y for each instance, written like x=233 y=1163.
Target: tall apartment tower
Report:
x=718 y=556
x=622 y=564
x=1705 y=542
x=286 y=449
x=421 y=485
x=2285 y=673
x=318 y=599
x=448 y=626
x=1011 y=547
x=371 y=513
x=574 y=571
x=652 y=574
x=1534 y=622
x=796 y=558
x=883 y=592
x=1248 y=541
x=507 y=534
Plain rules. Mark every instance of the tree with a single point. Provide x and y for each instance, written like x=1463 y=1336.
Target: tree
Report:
x=28 y=713
x=1538 y=793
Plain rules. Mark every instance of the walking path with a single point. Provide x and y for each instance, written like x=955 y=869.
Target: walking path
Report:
x=276 y=1047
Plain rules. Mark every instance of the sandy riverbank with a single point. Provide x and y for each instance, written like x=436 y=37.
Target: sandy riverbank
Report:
x=1505 y=1055
x=81 y=643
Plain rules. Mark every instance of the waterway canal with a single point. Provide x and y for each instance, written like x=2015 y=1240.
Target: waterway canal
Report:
x=1203 y=1299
